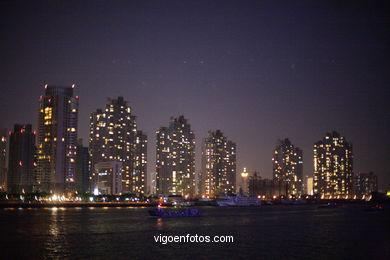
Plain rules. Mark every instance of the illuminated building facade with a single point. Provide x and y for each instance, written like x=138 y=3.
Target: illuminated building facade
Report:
x=21 y=159
x=175 y=159
x=288 y=166
x=309 y=186
x=114 y=137
x=218 y=176
x=109 y=177
x=82 y=168
x=333 y=166
x=139 y=181
x=152 y=185
x=3 y=159
x=365 y=183
x=57 y=140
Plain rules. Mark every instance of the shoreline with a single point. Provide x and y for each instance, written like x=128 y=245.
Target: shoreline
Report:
x=75 y=205
x=18 y=204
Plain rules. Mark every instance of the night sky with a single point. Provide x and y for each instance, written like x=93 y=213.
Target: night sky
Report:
x=257 y=70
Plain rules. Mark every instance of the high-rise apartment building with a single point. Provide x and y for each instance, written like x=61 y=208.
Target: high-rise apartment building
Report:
x=218 y=176
x=175 y=159
x=21 y=159
x=333 y=166
x=288 y=166
x=57 y=140
x=114 y=137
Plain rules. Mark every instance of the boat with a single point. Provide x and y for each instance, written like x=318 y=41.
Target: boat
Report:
x=238 y=201
x=377 y=207
x=161 y=213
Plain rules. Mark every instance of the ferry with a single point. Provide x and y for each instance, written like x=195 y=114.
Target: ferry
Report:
x=161 y=213
x=238 y=201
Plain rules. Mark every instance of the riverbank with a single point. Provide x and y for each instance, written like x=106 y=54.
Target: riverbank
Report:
x=15 y=204
x=50 y=204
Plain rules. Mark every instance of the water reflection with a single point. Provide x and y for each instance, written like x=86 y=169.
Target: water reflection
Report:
x=159 y=224
x=120 y=234
x=56 y=243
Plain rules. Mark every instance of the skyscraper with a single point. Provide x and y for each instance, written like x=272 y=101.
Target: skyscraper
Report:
x=21 y=159
x=333 y=166
x=175 y=159
x=82 y=168
x=287 y=166
x=3 y=159
x=218 y=165
x=114 y=137
x=57 y=139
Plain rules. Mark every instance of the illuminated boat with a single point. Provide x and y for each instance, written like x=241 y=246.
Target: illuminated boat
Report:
x=159 y=212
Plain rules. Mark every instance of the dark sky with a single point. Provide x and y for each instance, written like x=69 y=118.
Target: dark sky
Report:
x=257 y=70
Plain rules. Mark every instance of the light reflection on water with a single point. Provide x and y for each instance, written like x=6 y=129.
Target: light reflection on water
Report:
x=56 y=243
x=159 y=223
x=110 y=233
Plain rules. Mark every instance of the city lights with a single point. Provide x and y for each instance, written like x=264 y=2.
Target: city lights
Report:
x=175 y=151
x=218 y=176
x=288 y=166
x=333 y=166
x=114 y=137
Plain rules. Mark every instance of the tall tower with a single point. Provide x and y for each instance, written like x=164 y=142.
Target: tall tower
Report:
x=218 y=165
x=114 y=137
x=3 y=159
x=57 y=139
x=175 y=159
x=21 y=159
x=288 y=166
x=333 y=166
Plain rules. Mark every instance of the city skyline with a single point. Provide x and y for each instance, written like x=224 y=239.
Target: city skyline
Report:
x=297 y=84
x=139 y=141
x=213 y=129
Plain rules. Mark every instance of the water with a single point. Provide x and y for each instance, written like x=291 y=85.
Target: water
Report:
x=269 y=232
